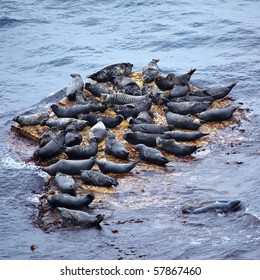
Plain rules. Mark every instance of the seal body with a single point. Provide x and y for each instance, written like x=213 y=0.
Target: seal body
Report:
x=68 y=201
x=128 y=85
x=108 y=73
x=219 y=207
x=98 y=179
x=173 y=147
x=150 y=128
x=119 y=98
x=178 y=91
x=143 y=117
x=115 y=148
x=32 y=119
x=179 y=135
x=183 y=121
x=117 y=168
x=65 y=183
x=164 y=82
x=141 y=138
x=189 y=107
x=220 y=92
x=110 y=122
x=97 y=132
x=62 y=123
x=150 y=71
x=82 y=151
x=184 y=79
x=79 y=218
x=70 y=167
x=72 y=137
x=217 y=114
x=151 y=155
x=75 y=85
x=98 y=88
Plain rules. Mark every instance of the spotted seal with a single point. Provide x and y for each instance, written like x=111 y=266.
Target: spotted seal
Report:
x=69 y=201
x=82 y=151
x=220 y=92
x=150 y=71
x=141 y=138
x=150 y=128
x=115 y=148
x=97 y=88
x=66 y=183
x=151 y=155
x=181 y=136
x=97 y=179
x=62 y=123
x=72 y=137
x=75 y=85
x=128 y=85
x=117 y=168
x=188 y=107
x=217 y=114
x=32 y=119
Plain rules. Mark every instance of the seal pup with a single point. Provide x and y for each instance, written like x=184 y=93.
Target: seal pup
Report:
x=141 y=138
x=181 y=136
x=70 y=167
x=183 y=121
x=62 y=123
x=53 y=148
x=96 y=178
x=143 y=117
x=111 y=71
x=188 y=107
x=215 y=115
x=117 y=168
x=151 y=155
x=173 y=147
x=220 y=92
x=97 y=88
x=150 y=71
x=150 y=128
x=79 y=218
x=31 y=120
x=65 y=183
x=72 y=137
x=75 y=85
x=82 y=151
x=69 y=201
x=219 y=207
x=115 y=148
x=128 y=85
x=98 y=132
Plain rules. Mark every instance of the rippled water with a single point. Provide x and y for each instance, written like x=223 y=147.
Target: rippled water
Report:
x=42 y=42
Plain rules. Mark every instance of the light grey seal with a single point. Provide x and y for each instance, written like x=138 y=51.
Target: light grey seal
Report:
x=75 y=85
x=150 y=71
x=31 y=120
x=173 y=147
x=151 y=155
x=82 y=151
x=62 y=123
x=98 y=179
x=65 y=183
x=98 y=132
x=117 y=168
x=79 y=218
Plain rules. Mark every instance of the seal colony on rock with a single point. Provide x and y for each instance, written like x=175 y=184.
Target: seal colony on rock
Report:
x=115 y=120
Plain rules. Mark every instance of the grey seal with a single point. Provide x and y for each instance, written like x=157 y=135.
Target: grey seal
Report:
x=115 y=148
x=128 y=85
x=75 y=85
x=178 y=91
x=79 y=218
x=98 y=179
x=215 y=115
x=66 y=183
x=184 y=79
x=31 y=120
x=150 y=128
x=120 y=98
x=171 y=146
x=82 y=151
x=151 y=155
x=70 y=167
x=72 y=137
x=183 y=121
x=97 y=88
x=111 y=71
x=117 y=168
x=188 y=107
x=98 y=132
x=150 y=71
x=220 y=92
x=141 y=138
x=164 y=82
x=219 y=207
x=179 y=135
x=143 y=117
x=69 y=201
x=62 y=123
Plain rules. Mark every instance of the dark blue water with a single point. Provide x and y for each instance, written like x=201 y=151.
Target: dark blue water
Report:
x=42 y=42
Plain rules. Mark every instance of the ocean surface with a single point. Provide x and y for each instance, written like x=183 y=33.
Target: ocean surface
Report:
x=43 y=42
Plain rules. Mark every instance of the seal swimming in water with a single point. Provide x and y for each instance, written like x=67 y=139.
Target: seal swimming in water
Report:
x=79 y=218
x=31 y=120
x=97 y=179
x=70 y=167
x=69 y=201
x=188 y=107
x=179 y=135
x=65 y=183
x=150 y=128
x=150 y=71
x=215 y=115
x=183 y=121
x=98 y=132
x=62 y=123
x=111 y=71
x=114 y=148
x=171 y=146
x=219 y=207
x=72 y=137
x=151 y=155
x=82 y=151
x=75 y=85
x=53 y=148
x=117 y=168
x=141 y=138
